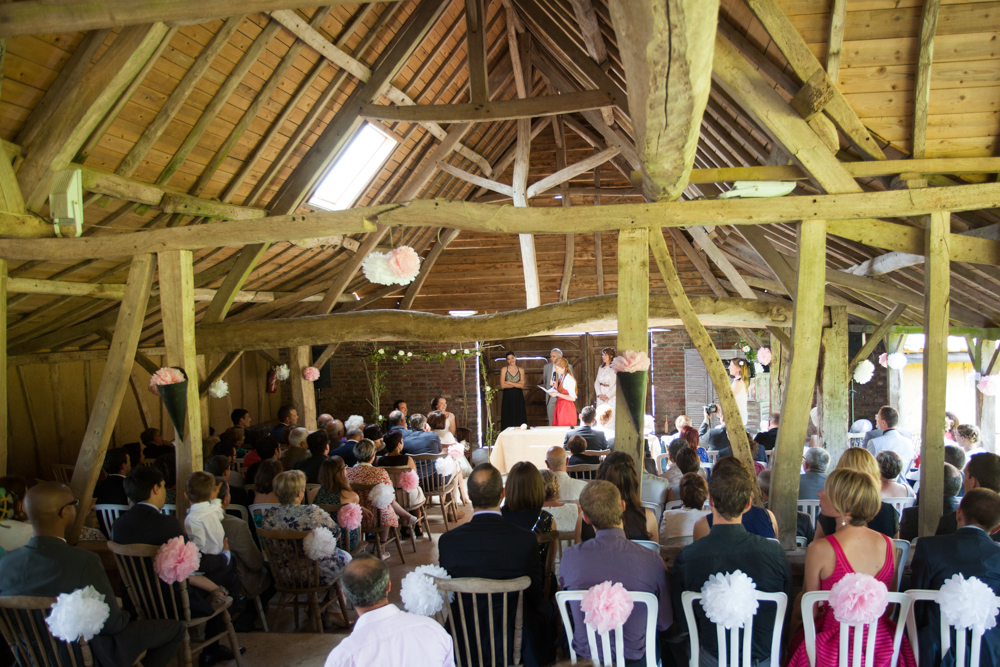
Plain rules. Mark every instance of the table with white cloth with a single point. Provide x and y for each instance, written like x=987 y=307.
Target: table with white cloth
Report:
x=514 y=445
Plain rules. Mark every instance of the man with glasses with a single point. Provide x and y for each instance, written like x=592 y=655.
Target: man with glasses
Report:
x=47 y=567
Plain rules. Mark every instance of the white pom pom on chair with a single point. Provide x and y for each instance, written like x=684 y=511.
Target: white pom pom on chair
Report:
x=78 y=615
x=382 y=495
x=967 y=606
x=319 y=543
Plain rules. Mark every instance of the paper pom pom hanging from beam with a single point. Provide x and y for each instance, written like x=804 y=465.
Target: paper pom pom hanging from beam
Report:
x=989 y=385
x=398 y=267
x=764 y=356
x=864 y=372
x=897 y=361
x=218 y=389
x=282 y=373
x=167 y=375
x=310 y=373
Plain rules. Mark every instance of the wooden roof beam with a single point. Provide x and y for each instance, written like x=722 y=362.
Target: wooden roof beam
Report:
x=475 y=37
x=922 y=92
x=548 y=105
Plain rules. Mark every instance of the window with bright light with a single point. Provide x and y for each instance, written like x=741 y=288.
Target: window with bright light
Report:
x=353 y=170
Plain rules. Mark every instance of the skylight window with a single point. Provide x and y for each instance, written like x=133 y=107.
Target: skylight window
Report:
x=353 y=170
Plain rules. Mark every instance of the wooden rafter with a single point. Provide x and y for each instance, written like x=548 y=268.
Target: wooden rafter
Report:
x=922 y=94
x=549 y=105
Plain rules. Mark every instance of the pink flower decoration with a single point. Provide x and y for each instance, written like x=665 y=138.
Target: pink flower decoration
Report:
x=176 y=560
x=606 y=606
x=166 y=375
x=456 y=451
x=404 y=263
x=349 y=516
x=883 y=360
x=989 y=385
x=408 y=481
x=858 y=599
x=310 y=373
x=764 y=356
x=630 y=361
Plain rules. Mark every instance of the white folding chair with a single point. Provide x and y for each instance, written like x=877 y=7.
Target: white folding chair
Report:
x=810 y=507
x=900 y=504
x=801 y=542
x=733 y=649
x=239 y=509
x=962 y=643
x=108 y=514
x=649 y=544
x=657 y=512
x=904 y=546
x=659 y=459
x=674 y=504
x=652 y=610
x=809 y=600
x=259 y=509
x=713 y=455
x=169 y=510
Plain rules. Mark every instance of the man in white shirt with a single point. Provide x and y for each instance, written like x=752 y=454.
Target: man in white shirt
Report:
x=891 y=439
x=569 y=488
x=384 y=634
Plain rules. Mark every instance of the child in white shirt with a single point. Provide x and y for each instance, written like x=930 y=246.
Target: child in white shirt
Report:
x=204 y=520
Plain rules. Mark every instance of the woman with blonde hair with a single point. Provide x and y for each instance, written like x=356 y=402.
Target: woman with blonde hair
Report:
x=565 y=514
x=850 y=500
x=606 y=384
x=739 y=370
x=967 y=437
x=565 y=411
x=886 y=518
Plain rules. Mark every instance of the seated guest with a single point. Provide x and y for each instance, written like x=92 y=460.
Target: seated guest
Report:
x=241 y=418
x=267 y=449
x=767 y=439
x=236 y=437
x=968 y=551
x=886 y=521
x=569 y=488
x=153 y=445
x=218 y=466
x=803 y=524
x=439 y=404
x=967 y=438
x=611 y=556
x=335 y=490
x=345 y=448
x=577 y=448
x=909 y=526
x=715 y=437
x=679 y=423
x=135 y=457
x=290 y=487
x=365 y=473
x=606 y=424
x=297 y=449
x=253 y=436
x=677 y=525
x=982 y=471
x=655 y=489
x=890 y=466
x=756 y=520
x=727 y=548
x=395 y=458
x=264 y=482
x=287 y=416
x=687 y=462
x=48 y=567
x=15 y=531
x=203 y=522
x=335 y=429
x=488 y=547
x=227 y=448
x=397 y=422
x=564 y=515
x=319 y=446
x=415 y=641
x=639 y=522
x=420 y=440
x=375 y=434
x=594 y=437
x=111 y=491
x=813 y=479
x=851 y=498
x=254 y=577
x=167 y=465
x=524 y=496
x=691 y=437
x=673 y=474
x=437 y=421
x=757 y=453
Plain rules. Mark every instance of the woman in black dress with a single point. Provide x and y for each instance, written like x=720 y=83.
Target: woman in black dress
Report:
x=512 y=380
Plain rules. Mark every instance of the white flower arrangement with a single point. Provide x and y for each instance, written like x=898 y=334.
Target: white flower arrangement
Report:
x=381 y=496
x=218 y=389
x=968 y=603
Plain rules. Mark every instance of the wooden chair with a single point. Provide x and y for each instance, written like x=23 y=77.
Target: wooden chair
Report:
x=471 y=615
x=63 y=472
x=135 y=565
x=551 y=539
x=403 y=498
x=363 y=490
x=344 y=540
x=295 y=574
x=587 y=472
x=434 y=484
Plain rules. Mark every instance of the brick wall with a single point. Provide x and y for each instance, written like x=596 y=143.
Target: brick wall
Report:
x=868 y=398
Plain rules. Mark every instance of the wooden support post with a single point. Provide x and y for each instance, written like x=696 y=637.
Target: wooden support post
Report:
x=203 y=398
x=114 y=382
x=834 y=388
x=177 y=308
x=986 y=406
x=633 y=326
x=797 y=400
x=3 y=366
x=303 y=393
x=895 y=382
x=937 y=276
x=776 y=384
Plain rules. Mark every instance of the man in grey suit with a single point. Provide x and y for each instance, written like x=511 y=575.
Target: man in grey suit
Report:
x=549 y=380
x=891 y=439
x=811 y=482
x=47 y=566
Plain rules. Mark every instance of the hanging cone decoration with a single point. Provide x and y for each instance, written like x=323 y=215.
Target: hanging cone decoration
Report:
x=174 y=397
x=632 y=387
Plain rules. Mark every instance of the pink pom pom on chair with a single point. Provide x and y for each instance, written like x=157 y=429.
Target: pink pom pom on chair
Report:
x=408 y=481
x=349 y=516
x=606 y=606
x=176 y=560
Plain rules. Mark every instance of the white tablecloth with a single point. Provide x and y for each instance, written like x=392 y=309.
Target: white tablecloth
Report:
x=514 y=445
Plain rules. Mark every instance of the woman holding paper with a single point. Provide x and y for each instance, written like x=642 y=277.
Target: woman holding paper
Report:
x=565 y=412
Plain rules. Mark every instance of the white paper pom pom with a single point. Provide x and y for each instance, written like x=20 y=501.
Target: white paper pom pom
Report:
x=419 y=592
x=81 y=613
x=382 y=495
x=282 y=373
x=445 y=467
x=968 y=603
x=864 y=372
x=989 y=385
x=729 y=600
x=319 y=543
x=896 y=361
x=218 y=389
x=376 y=269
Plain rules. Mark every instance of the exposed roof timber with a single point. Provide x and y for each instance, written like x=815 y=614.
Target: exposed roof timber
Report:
x=532 y=107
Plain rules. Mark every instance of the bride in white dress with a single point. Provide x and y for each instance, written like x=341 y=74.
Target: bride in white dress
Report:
x=606 y=384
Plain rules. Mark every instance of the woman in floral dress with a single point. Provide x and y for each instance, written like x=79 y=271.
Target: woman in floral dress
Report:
x=365 y=473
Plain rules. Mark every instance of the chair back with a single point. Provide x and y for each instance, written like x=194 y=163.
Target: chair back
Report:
x=395 y=472
x=63 y=472
x=250 y=488
x=108 y=514
x=563 y=598
x=551 y=540
x=649 y=544
x=169 y=510
x=655 y=508
x=257 y=511
x=713 y=456
x=849 y=645
x=240 y=511
x=432 y=482
x=344 y=539
x=293 y=571
x=587 y=472
x=674 y=504
x=662 y=462
x=153 y=599
x=800 y=541
x=900 y=504
x=236 y=465
x=967 y=642
x=22 y=621
x=733 y=647
x=475 y=606
x=902 y=551
x=810 y=507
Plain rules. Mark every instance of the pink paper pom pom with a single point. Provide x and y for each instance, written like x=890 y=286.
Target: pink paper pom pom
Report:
x=858 y=599
x=764 y=356
x=349 y=516
x=456 y=451
x=176 y=560
x=606 y=606
x=404 y=264
x=883 y=360
x=310 y=373
x=166 y=375
x=408 y=481
x=989 y=385
x=630 y=361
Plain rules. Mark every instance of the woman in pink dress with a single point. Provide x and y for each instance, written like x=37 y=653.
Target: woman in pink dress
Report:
x=852 y=498
x=565 y=412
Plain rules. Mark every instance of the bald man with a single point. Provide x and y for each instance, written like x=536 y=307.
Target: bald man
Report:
x=47 y=566
x=569 y=488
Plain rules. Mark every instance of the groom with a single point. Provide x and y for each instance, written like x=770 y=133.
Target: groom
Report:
x=549 y=379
